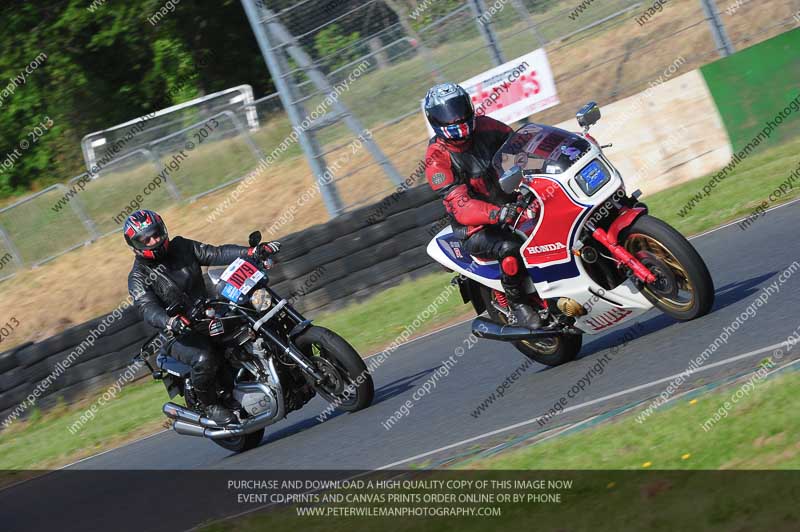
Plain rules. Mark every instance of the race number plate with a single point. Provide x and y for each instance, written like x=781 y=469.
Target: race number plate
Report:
x=231 y=293
x=241 y=277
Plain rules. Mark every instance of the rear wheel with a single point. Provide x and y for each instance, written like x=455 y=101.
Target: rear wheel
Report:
x=242 y=443
x=683 y=288
x=548 y=351
x=236 y=444
x=348 y=385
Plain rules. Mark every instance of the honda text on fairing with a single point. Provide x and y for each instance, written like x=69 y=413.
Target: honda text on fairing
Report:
x=595 y=258
x=275 y=360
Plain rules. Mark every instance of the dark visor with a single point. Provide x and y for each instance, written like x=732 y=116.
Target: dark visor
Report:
x=454 y=111
x=140 y=240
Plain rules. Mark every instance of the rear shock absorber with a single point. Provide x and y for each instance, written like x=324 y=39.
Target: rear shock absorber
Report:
x=500 y=297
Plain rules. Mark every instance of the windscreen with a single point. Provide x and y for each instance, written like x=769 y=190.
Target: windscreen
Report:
x=542 y=149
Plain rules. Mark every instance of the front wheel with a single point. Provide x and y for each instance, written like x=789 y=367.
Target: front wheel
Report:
x=683 y=288
x=348 y=383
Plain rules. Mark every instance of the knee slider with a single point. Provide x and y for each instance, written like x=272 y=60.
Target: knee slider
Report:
x=510 y=265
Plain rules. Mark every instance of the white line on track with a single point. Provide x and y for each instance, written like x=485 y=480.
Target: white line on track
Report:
x=437 y=331
x=587 y=403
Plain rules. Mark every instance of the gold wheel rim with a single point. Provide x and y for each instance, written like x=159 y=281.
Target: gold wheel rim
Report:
x=647 y=248
x=545 y=346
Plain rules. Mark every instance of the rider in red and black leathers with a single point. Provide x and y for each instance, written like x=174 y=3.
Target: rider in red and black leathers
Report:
x=168 y=271
x=460 y=170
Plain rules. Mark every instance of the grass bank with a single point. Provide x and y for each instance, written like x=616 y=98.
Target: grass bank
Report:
x=756 y=434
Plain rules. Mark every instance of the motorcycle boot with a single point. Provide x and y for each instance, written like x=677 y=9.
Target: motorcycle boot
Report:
x=522 y=314
x=204 y=381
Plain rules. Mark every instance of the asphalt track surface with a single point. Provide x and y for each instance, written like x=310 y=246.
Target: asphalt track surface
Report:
x=742 y=263
x=440 y=424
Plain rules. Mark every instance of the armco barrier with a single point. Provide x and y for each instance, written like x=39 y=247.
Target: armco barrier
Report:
x=321 y=268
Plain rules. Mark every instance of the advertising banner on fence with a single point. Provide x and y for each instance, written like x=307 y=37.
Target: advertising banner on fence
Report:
x=514 y=90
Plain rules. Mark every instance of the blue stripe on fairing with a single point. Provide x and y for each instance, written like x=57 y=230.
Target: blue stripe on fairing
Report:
x=491 y=271
x=568 y=270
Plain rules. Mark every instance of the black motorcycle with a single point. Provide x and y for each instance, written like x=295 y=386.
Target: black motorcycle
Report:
x=275 y=360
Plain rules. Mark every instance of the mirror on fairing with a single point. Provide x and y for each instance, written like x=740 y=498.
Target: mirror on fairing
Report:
x=588 y=115
x=511 y=179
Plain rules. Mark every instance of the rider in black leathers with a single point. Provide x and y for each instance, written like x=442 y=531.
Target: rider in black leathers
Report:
x=168 y=271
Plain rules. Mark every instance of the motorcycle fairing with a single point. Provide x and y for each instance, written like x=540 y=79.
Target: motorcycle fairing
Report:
x=540 y=148
x=453 y=248
x=547 y=253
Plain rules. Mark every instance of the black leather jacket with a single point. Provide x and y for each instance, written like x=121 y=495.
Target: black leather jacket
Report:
x=177 y=278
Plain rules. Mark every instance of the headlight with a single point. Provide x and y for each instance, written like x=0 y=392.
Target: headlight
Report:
x=592 y=177
x=261 y=299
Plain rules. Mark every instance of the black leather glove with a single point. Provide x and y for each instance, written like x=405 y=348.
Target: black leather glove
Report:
x=508 y=214
x=265 y=249
x=179 y=325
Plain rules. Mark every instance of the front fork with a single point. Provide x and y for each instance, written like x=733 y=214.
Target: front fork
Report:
x=627 y=216
x=288 y=348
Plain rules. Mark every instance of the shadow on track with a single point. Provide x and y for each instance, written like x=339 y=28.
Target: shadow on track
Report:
x=384 y=393
x=725 y=296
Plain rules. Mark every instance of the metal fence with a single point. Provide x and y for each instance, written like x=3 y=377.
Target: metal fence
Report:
x=603 y=52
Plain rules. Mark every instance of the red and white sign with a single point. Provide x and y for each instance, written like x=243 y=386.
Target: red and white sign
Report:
x=514 y=90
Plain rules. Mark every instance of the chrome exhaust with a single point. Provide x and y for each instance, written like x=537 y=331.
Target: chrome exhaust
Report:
x=483 y=328
x=188 y=429
x=215 y=432
x=190 y=423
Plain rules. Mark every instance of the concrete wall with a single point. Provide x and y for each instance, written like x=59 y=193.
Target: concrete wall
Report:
x=663 y=136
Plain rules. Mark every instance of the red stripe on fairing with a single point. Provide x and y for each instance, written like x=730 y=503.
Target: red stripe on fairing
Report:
x=557 y=218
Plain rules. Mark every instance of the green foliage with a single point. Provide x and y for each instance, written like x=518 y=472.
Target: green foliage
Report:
x=422 y=13
x=107 y=66
x=332 y=42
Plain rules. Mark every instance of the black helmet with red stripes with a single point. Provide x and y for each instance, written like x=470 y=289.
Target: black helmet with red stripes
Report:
x=449 y=110
x=146 y=233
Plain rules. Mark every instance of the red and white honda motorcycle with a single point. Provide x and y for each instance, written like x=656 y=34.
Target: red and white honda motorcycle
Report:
x=596 y=259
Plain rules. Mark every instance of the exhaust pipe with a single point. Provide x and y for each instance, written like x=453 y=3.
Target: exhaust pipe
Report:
x=483 y=328
x=180 y=413
x=190 y=423
x=173 y=411
x=188 y=429
x=217 y=433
